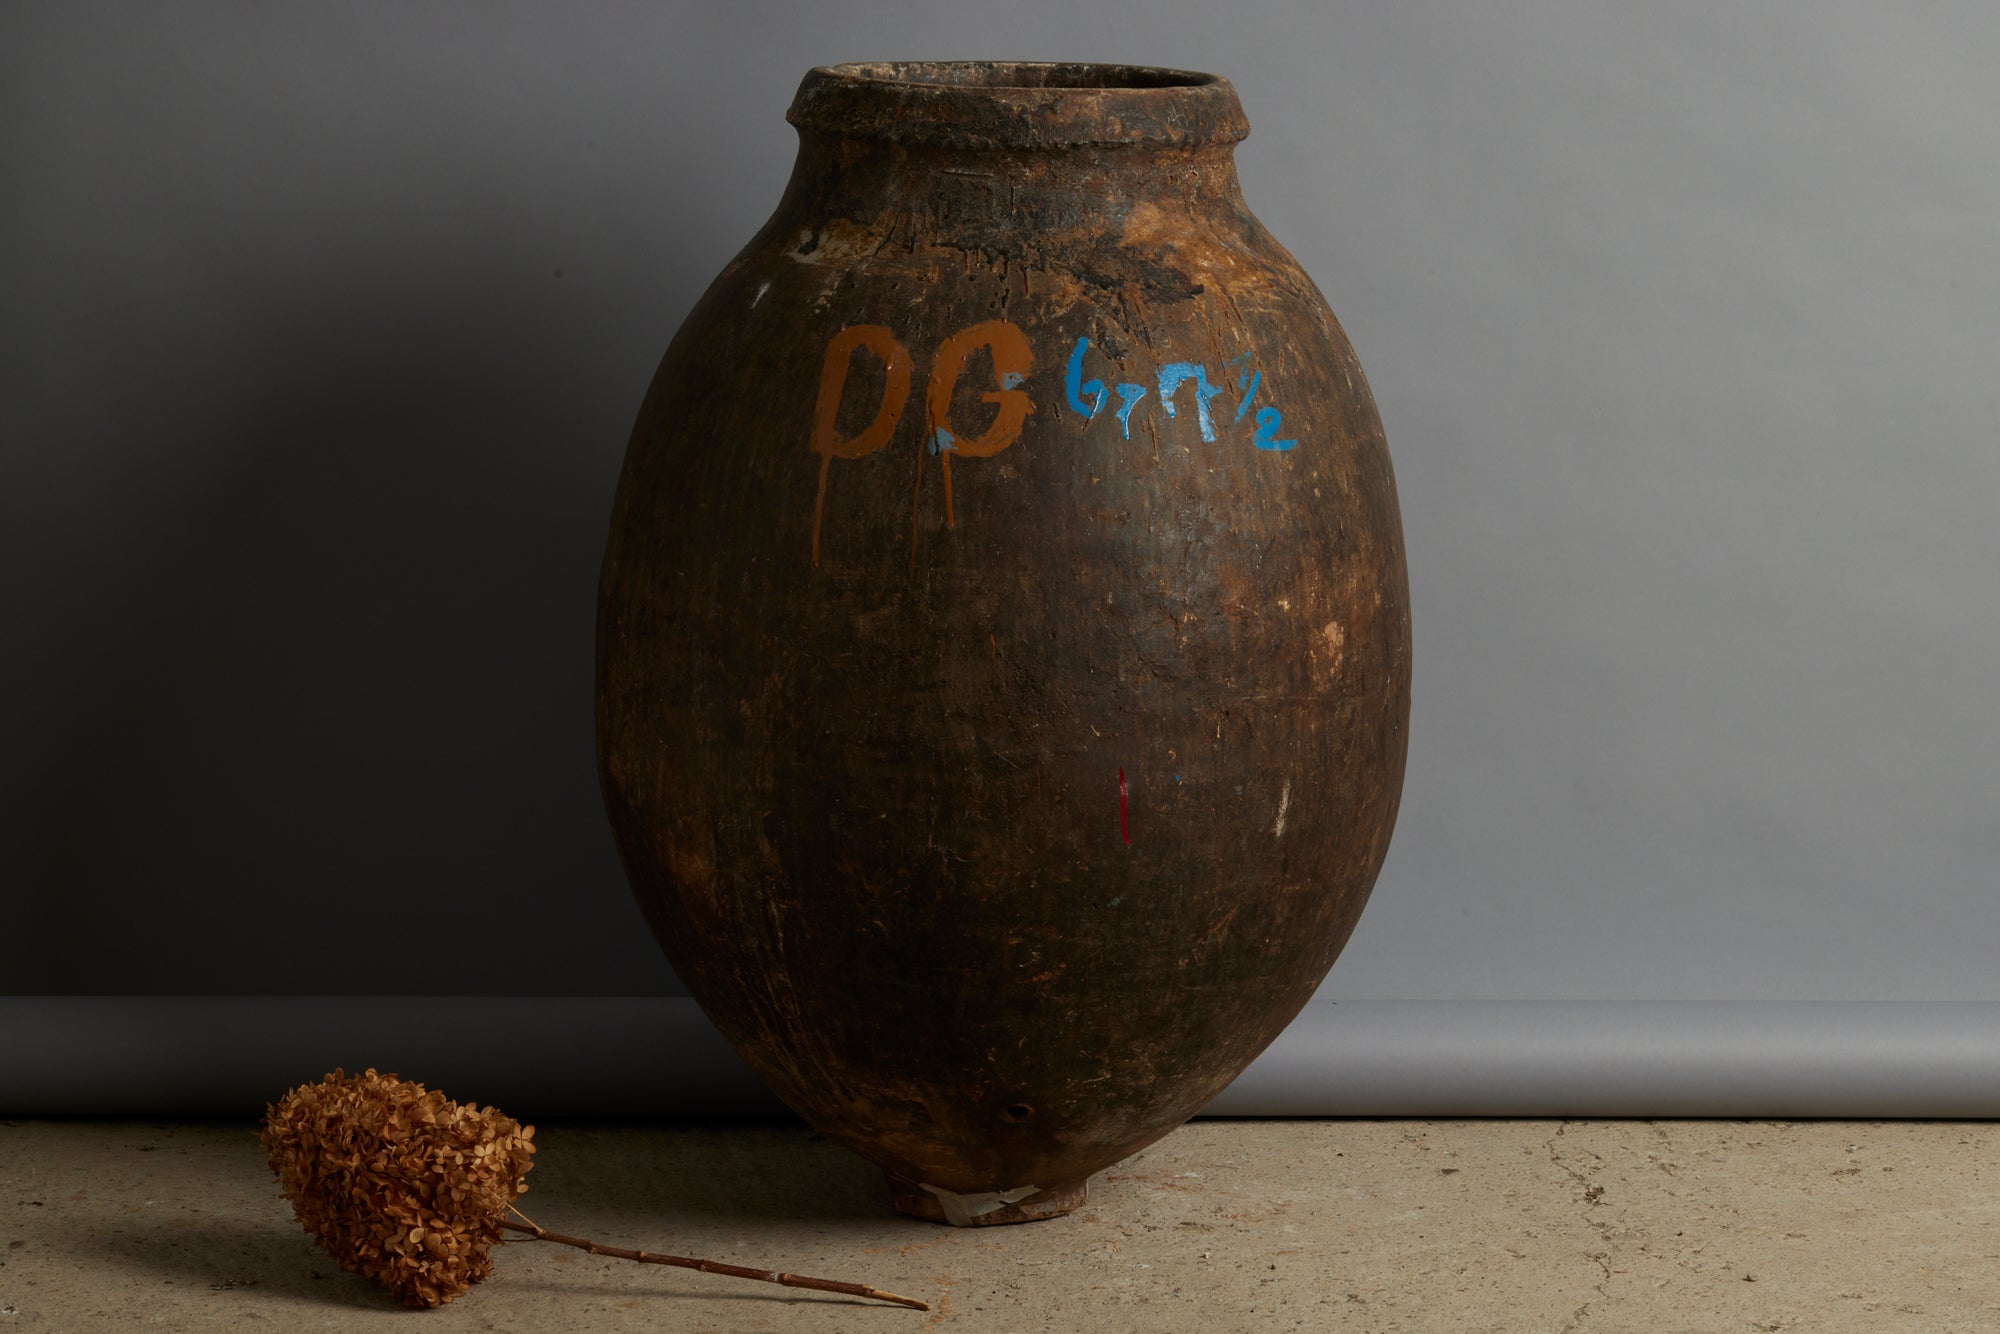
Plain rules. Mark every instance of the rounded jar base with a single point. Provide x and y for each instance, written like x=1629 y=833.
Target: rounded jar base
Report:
x=987 y=1208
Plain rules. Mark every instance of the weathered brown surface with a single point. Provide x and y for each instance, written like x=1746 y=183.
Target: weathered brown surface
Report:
x=1000 y=803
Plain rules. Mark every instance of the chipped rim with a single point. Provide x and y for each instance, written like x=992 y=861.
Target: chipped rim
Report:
x=1018 y=104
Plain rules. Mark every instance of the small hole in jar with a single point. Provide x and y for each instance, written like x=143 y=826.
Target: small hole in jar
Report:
x=1018 y=1112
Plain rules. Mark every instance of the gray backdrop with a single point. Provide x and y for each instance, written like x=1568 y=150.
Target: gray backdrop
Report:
x=322 y=326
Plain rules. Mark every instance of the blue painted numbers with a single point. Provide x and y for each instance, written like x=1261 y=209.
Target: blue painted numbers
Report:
x=1077 y=386
x=1131 y=393
x=1088 y=397
x=1171 y=378
x=1268 y=419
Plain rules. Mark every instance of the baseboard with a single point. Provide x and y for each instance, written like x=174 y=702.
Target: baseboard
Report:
x=546 y=1057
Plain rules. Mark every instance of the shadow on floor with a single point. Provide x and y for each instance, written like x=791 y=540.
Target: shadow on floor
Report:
x=656 y=1174
x=223 y=1256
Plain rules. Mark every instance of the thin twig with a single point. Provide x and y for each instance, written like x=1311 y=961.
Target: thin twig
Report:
x=540 y=1233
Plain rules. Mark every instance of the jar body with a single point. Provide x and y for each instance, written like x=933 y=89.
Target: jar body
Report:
x=1004 y=653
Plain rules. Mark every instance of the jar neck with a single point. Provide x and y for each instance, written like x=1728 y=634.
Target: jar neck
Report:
x=1008 y=159
x=1050 y=191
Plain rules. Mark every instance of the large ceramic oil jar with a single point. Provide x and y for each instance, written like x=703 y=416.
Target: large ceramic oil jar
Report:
x=1003 y=646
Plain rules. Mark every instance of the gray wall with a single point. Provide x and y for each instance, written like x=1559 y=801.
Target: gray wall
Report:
x=321 y=328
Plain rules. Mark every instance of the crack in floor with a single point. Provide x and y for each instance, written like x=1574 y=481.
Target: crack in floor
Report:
x=1592 y=1196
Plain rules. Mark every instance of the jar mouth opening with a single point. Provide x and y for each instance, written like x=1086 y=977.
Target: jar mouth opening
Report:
x=998 y=104
x=1021 y=74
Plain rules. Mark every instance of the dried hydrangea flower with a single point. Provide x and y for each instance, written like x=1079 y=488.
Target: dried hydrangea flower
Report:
x=406 y=1187
x=396 y=1181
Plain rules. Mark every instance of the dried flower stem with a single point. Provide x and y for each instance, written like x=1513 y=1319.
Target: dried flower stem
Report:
x=540 y=1233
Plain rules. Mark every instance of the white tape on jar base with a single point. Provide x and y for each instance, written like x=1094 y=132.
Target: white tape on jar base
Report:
x=960 y=1210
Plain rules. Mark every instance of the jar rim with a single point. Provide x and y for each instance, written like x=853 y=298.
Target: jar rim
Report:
x=1018 y=104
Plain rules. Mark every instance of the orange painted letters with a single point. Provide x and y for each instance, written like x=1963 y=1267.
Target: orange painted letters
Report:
x=827 y=440
x=1012 y=360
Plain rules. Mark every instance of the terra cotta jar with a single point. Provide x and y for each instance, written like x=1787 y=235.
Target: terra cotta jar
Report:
x=1003 y=644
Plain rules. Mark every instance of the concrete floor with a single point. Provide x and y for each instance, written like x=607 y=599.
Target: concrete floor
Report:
x=1224 y=1225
